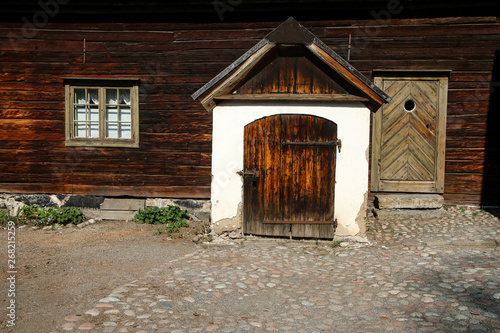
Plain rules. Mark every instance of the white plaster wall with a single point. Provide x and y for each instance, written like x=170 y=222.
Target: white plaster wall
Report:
x=353 y=128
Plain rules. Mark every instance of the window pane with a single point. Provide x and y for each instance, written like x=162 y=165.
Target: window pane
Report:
x=80 y=114
x=79 y=96
x=94 y=130
x=111 y=96
x=80 y=130
x=112 y=131
x=93 y=96
x=125 y=96
x=112 y=113
x=125 y=114
x=125 y=131
x=94 y=114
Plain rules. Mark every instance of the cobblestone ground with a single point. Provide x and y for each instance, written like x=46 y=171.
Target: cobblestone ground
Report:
x=415 y=276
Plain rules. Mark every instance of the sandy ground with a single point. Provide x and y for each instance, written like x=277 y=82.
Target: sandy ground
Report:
x=65 y=272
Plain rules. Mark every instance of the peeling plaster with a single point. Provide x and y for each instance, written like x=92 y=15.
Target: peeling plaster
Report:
x=359 y=237
x=360 y=219
x=229 y=224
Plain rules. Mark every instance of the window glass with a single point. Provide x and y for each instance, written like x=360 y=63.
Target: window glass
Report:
x=112 y=131
x=126 y=131
x=94 y=130
x=112 y=113
x=125 y=114
x=80 y=130
x=111 y=98
x=93 y=96
x=80 y=96
x=94 y=114
x=125 y=96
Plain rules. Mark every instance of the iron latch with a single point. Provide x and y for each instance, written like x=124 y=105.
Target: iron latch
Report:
x=247 y=173
x=253 y=173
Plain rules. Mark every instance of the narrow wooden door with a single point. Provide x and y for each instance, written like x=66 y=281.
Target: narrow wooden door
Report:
x=289 y=184
x=409 y=136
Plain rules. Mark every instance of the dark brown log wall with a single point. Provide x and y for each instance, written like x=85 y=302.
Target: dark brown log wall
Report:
x=174 y=60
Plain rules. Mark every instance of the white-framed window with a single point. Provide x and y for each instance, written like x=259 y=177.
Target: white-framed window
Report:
x=102 y=113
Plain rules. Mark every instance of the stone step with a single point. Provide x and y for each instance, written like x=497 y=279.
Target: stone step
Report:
x=410 y=213
x=408 y=201
x=123 y=204
x=117 y=214
x=121 y=209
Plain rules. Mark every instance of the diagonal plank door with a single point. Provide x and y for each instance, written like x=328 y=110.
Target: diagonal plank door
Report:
x=293 y=194
x=408 y=141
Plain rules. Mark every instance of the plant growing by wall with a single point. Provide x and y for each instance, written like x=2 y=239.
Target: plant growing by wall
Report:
x=172 y=216
x=6 y=218
x=50 y=216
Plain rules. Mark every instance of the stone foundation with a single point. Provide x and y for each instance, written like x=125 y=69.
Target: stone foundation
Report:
x=101 y=208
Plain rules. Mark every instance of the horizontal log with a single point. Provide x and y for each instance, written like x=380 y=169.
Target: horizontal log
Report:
x=465 y=107
x=220 y=35
x=465 y=143
x=193 y=192
x=473 y=166
x=409 y=64
x=76 y=33
x=372 y=28
x=32 y=114
x=31 y=136
x=463 y=199
x=197 y=192
x=32 y=125
x=469 y=95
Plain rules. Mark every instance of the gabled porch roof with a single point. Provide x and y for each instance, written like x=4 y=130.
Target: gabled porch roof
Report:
x=291 y=36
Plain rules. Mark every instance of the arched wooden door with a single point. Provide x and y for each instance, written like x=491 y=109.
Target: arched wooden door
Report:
x=289 y=176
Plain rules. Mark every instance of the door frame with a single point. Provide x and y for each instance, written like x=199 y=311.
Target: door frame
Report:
x=437 y=186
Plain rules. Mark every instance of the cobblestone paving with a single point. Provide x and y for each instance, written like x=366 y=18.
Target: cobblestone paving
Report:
x=415 y=276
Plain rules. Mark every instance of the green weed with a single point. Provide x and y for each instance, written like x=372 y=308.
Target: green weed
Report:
x=173 y=217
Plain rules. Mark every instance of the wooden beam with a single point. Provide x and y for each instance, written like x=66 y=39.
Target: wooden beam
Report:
x=239 y=74
x=346 y=73
x=297 y=222
x=292 y=97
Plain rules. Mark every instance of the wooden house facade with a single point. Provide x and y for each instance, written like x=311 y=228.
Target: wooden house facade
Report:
x=96 y=98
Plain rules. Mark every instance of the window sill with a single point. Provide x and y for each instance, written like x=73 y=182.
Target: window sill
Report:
x=102 y=143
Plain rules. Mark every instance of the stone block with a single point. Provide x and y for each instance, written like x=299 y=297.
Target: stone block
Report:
x=41 y=200
x=409 y=201
x=83 y=201
x=410 y=213
x=117 y=214
x=123 y=204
